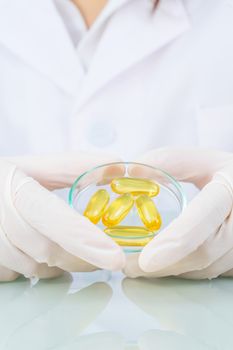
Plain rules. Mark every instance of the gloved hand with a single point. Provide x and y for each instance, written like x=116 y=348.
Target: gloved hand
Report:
x=199 y=243
x=39 y=233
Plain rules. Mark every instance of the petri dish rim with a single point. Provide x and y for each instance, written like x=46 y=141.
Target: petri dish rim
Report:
x=170 y=177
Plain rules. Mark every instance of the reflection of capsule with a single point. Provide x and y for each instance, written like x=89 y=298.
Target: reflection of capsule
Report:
x=96 y=206
x=148 y=212
x=135 y=186
x=130 y=235
x=118 y=210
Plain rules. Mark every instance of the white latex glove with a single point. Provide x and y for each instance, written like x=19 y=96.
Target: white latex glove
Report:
x=198 y=244
x=39 y=233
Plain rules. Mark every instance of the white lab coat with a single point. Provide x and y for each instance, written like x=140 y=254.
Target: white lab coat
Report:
x=155 y=79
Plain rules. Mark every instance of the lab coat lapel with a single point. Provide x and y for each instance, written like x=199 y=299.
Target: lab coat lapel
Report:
x=131 y=35
x=34 y=31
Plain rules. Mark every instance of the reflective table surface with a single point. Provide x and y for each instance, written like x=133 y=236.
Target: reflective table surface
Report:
x=105 y=311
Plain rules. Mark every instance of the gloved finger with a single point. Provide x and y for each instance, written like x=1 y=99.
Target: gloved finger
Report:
x=202 y=257
x=133 y=270
x=14 y=259
x=194 y=261
x=206 y=255
x=39 y=247
x=42 y=249
x=7 y=275
x=222 y=266
x=54 y=219
x=14 y=262
x=218 y=257
x=218 y=250
x=184 y=235
x=61 y=170
x=188 y=165
x=99 y=176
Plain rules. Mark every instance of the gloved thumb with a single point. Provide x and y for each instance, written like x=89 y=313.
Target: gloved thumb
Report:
x=189 y=165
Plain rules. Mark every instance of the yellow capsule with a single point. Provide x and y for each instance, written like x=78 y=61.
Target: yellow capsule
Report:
x=128 y=231
x=135 y=186
x=130 y=235
x=118 y=210
x=96 y=206
x=140 y=242
x=148 y=213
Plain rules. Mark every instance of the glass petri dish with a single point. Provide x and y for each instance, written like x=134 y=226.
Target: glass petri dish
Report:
x=170 y=201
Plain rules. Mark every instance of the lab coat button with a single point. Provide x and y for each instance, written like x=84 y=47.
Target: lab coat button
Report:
x=102 y=134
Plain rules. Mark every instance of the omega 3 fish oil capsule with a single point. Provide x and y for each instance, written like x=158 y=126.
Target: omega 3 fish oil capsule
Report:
x=135 y=186
x=96 y=206
x=148 y=213
x=130 y=235
x=118 y=210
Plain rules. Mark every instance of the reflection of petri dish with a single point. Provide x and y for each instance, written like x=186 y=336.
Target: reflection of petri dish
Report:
x=170 y=201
